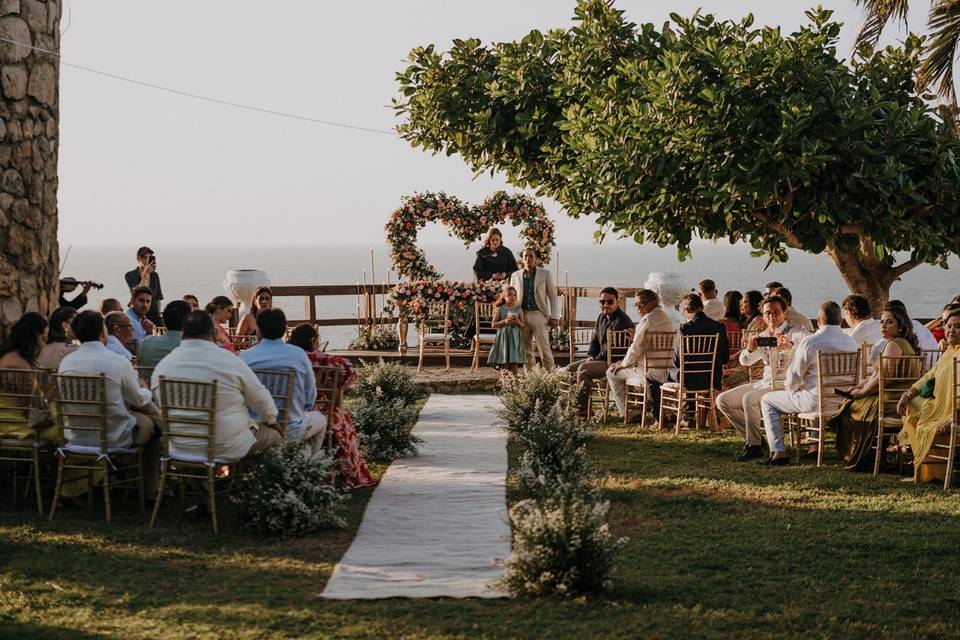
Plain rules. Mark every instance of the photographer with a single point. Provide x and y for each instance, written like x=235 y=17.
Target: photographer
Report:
x=741 y=405
x=145 y=275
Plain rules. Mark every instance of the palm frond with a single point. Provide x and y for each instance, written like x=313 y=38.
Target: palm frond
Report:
x=878 y=14
x=941 y=52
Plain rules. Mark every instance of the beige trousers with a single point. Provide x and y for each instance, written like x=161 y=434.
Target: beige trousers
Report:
x=741 y=406
x=536 y=324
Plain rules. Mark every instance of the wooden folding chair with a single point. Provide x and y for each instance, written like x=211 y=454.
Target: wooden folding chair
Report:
x=657 y=354
x=329 y=399
x=189 y=411
x=20 y=444
x=947 y=452
x=280 y=385
x=84 y=444
x=895 y=375
x=697 y=357
x=617 y=344
x=836 y=370
x=485 y=333
x=433 y=332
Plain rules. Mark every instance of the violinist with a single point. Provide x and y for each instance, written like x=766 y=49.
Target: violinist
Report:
x=69 y=285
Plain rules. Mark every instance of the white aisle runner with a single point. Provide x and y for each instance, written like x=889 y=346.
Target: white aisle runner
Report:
x=436 y=525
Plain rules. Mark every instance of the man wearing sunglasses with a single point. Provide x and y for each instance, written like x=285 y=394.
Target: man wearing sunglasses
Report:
x=594 y=366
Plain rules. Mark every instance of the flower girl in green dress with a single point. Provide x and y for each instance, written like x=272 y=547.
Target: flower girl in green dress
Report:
x=507 y=351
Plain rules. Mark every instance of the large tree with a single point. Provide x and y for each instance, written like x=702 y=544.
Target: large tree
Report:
x=706 y=128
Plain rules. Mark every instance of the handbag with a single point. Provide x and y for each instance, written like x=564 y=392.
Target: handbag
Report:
x=926 y=390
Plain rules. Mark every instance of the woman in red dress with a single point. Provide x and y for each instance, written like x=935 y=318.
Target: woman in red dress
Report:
x=353 y=468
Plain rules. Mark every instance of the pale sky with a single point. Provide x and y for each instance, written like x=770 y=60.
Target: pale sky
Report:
x=139 y=166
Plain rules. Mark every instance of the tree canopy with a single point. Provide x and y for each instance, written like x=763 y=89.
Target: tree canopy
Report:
x=706 y=128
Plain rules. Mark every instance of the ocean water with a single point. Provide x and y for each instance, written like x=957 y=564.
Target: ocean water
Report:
x=201 y=271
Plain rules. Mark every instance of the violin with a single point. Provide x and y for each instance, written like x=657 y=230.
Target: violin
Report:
x=70 y=283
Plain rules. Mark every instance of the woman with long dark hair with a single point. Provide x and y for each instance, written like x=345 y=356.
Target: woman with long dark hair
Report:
x=753 y=321
x=353 y=468
x=60 y=338
x=219 y=309
x=22 y=348
x=494 y=261
x=262 y=299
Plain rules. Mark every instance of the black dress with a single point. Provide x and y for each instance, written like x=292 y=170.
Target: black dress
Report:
x=488 y=264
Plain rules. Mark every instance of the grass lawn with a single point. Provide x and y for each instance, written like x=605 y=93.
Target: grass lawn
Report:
x=717 y=549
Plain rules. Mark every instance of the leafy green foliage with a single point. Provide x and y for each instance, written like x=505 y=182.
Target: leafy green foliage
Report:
x=384 y=427
x=705 y=128
x=385 y=381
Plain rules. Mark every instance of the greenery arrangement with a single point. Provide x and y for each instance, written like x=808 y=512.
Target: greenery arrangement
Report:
x=707 y=128
x=382 y=338
x=554 y=452
x=386 y=381
x=536 y=390
x=289 y=492
x=384 y=409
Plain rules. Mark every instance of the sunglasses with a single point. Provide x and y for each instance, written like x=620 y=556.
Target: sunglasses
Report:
x=606 y=302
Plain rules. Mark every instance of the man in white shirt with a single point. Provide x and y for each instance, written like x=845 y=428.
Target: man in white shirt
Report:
x=794 y=318
x=862 y=327
x=632 y=368
x=711 y=305
x=741 y=405
x=239 y=391
x=924 y=337
x=132 y=417
x=801 y=392
x=119 y=333
x=537 y=297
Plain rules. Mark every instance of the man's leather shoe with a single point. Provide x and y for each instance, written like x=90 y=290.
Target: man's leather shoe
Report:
x=776 y=462
x=750 y=452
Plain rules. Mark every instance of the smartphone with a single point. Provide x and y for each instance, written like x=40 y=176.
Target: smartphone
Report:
x=766 y=341
x=843 y=393
x=153 y=260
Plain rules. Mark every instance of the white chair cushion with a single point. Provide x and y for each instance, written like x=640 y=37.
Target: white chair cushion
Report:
x=194 y=458
x=635 y=381
x=26 y=443
x=809 y=415
x=92 y=450
x=892 y=421
x=673 y=386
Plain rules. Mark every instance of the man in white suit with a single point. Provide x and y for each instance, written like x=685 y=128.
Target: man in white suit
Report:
x=537 y=296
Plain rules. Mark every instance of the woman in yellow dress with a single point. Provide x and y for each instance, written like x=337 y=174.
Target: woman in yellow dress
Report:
x=926 y=418
x=21 y=351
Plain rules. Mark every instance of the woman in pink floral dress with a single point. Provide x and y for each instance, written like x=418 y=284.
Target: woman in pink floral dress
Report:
x=353 y=468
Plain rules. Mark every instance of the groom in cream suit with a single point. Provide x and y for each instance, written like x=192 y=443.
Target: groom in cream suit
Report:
x=537 y=295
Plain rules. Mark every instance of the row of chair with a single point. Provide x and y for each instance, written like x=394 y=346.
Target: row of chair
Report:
x=79 y=403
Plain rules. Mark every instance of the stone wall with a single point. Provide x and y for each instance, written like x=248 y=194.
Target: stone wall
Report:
x=29 y=136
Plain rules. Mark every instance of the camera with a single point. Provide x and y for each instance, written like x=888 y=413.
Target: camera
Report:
x=766 y=341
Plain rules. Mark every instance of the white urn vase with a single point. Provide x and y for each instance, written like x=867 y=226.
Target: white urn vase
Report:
x=671 y=287
x=240 y=285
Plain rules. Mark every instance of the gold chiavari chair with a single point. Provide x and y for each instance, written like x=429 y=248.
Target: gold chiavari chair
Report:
x=697 y=358
x=84 y=442
x=280 y=385
x=946 y=453
x=866 y=367
x=580 y=339
x=21 y=398
x=485 y=333
x=617 y=344
x=895 y=375
x=930 y=357
x=657 y=354
x=433 y=332
x=241 y=342
x=189 y=410
x=837 y=370
x=144 y=373
x=159 y=331
x=329 y=399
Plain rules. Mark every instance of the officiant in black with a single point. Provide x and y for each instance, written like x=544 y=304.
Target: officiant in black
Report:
x=494 y=261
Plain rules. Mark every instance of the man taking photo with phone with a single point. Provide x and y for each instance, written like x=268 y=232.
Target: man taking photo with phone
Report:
x=145 y=275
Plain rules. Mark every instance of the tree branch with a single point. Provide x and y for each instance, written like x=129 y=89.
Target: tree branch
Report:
x=788 y=236
x=903 y=267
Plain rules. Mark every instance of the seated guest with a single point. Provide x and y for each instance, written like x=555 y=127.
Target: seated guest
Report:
x=770 y=289
x=155 y=348
x=494 y=261
x=239 y=392
x=732 y=319
x=594 y=366
x=794 y=317
x=132 y=418
x=262 y=300
x=652 y=318
x=119 y=333
x=697 y=324
x=352 y=466
x=60 y=340
x=750 y=310
x=711 y=306
x=273 y=354
x=936 y=326
x=192 y=301
x=741 y=405
x=862 y=327
x=801 y=391
x=137 y=312
x=220 y=309
x=927 y=410
x=856 y=421
x=109 y=305
x=22 y=350
x=924 y=337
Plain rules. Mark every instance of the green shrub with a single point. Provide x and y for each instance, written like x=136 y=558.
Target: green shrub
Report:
x=553 y=442
x=383 y=338
x=536 y=390
x=385 y=382
x=561 y=544
x=289 y=492
x=383 y=427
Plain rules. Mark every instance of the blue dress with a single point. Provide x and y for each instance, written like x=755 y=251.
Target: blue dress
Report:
x=508 y=344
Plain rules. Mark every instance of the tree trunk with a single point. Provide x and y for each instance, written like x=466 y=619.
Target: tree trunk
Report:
x=865 y=275
x=29 y=140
